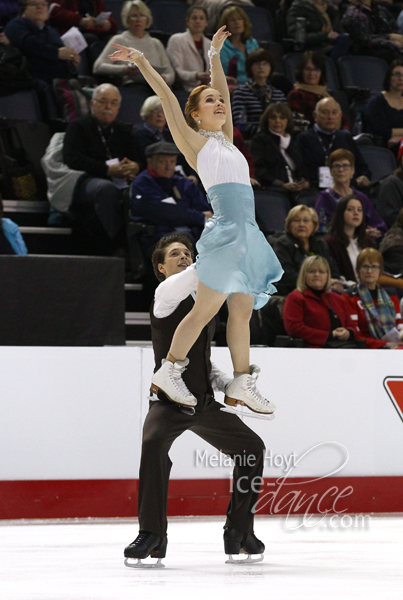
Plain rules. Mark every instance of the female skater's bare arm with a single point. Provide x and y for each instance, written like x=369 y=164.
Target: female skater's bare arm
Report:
x=219 y=80
x=188 y=141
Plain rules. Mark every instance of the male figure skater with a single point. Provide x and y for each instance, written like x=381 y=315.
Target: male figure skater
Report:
x=166 y=421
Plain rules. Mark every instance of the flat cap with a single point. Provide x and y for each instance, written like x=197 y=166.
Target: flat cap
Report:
x=161 y=148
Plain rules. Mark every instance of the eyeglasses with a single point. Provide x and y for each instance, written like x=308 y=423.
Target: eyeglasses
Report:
x=397 y=75
x=134 y=17
x=104 y=102
x=370 y=267
x=299 y=220
x=341 y=166
x=314 y=271
x=38 y=4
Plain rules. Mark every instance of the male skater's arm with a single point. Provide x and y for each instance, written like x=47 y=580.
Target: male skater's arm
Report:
x=170 y=293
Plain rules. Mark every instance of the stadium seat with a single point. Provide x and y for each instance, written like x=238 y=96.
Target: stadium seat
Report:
x=262 y=23
x=363 y=72
x=381 y=161
x=23 y=106
x=133 y=97
x=169 y=17
x=271 y=210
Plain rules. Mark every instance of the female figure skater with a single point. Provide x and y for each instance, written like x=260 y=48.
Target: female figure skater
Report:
x=234 y=259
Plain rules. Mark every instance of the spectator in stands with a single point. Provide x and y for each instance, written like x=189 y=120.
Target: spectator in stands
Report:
x=188 y=50
x=237 y=47
x=323 y=27
x=384 y=111
x=342 y=164
x=372 y=30
x=47 y=56
x=376 y=313
x=315 y=314
x=11 y=240
x=310 y=87
x=347 y=236
x=390 y=195
x=278 y=162
x=106 y=150
x=391 y=248
x=250 y=99
x=136 y=17
x=317 y=143
x=82 y=14
x=298 y=242
x=170 y=202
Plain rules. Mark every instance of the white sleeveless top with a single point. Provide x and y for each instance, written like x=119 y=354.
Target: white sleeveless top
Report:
x=218 y=164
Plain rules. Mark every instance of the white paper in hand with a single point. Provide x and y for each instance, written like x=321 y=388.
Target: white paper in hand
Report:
x=73 y=38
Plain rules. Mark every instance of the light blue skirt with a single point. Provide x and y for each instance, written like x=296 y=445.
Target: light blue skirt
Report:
x=233 y=254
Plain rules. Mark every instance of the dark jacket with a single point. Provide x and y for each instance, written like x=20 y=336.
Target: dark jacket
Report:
x=41 y=47
x=84 y=149
x=65 y=14
x=147 y=193
x=338 y=252
x=270 y=164
x=314 y=155
x=381 y=118
x=392 y=250
x=291 y=254
x=316 y=37
x=369 y=30
x=146 y=135
x=306 y=316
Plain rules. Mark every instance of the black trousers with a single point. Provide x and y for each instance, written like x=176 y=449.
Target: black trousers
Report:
x=164 y=423
x=104 y=198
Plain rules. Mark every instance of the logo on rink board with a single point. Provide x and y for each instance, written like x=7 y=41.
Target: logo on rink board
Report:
x=394 y=389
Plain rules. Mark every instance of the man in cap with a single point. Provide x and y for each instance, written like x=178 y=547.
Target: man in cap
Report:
x=163 y=198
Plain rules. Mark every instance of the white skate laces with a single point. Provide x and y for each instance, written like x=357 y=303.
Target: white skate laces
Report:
x=243 y=388
x=168 y=379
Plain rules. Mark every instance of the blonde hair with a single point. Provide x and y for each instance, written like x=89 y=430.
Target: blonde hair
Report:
x=149 y=104
x=296 y=210
x=143 y=8
x=232 y=10
x=306 y=265
x=192 y=104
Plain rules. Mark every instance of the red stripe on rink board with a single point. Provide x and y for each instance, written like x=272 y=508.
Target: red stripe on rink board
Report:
x=118 y=497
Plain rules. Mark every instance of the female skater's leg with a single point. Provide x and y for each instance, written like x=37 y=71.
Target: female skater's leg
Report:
x=240 y=307
x=208 y=303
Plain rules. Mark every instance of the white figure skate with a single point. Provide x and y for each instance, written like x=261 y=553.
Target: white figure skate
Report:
x=243 y=389
x=168 y=379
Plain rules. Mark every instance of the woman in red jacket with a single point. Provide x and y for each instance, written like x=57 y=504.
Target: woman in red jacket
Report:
x=376 y=313
x=313 y=313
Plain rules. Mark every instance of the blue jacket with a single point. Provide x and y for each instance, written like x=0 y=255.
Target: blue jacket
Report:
x=14 y=237
x=41 y=47
x=228 y=51
x=147 y=193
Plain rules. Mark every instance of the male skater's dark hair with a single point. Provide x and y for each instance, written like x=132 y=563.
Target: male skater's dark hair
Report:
x=158 y=256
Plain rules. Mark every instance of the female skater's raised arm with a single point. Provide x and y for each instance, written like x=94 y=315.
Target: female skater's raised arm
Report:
x=218 y=78
x=188 y=141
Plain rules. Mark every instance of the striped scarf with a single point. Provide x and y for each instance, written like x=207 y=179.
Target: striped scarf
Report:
x=380 y=318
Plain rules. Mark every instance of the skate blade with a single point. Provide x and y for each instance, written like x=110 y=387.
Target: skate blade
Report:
x=242 y=413
x=234 y=402
x=243 y=561
x=154 y=389
x=141 y=565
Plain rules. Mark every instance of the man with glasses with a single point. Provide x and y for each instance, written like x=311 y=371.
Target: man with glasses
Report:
x=317 y=143
x=106 y=151
x=47 y=56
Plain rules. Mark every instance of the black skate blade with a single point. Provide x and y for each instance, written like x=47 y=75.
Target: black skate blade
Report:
x=246 y=413
x=243 y=561
x=141 y=565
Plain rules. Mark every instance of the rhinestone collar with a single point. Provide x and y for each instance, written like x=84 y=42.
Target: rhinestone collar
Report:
x=219 y=136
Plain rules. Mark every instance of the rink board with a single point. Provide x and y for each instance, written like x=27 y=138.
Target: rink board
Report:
x=71 y=419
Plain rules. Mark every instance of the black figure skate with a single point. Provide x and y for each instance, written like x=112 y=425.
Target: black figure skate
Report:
x=238 y=542
x=146 y=544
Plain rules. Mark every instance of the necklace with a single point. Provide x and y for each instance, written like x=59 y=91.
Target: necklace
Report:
x=219 y=136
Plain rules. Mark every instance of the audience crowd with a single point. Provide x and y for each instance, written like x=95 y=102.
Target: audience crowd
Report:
x=341 y=247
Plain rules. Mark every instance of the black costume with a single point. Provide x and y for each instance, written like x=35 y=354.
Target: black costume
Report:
x=165 y=422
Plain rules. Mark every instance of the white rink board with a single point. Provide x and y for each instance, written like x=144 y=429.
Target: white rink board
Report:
x=77 y=413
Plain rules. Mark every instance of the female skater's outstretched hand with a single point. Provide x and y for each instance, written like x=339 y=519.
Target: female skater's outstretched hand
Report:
x=219 y=38
x=125 y=54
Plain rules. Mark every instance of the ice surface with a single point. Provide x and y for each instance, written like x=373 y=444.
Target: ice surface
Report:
x=83 y=560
